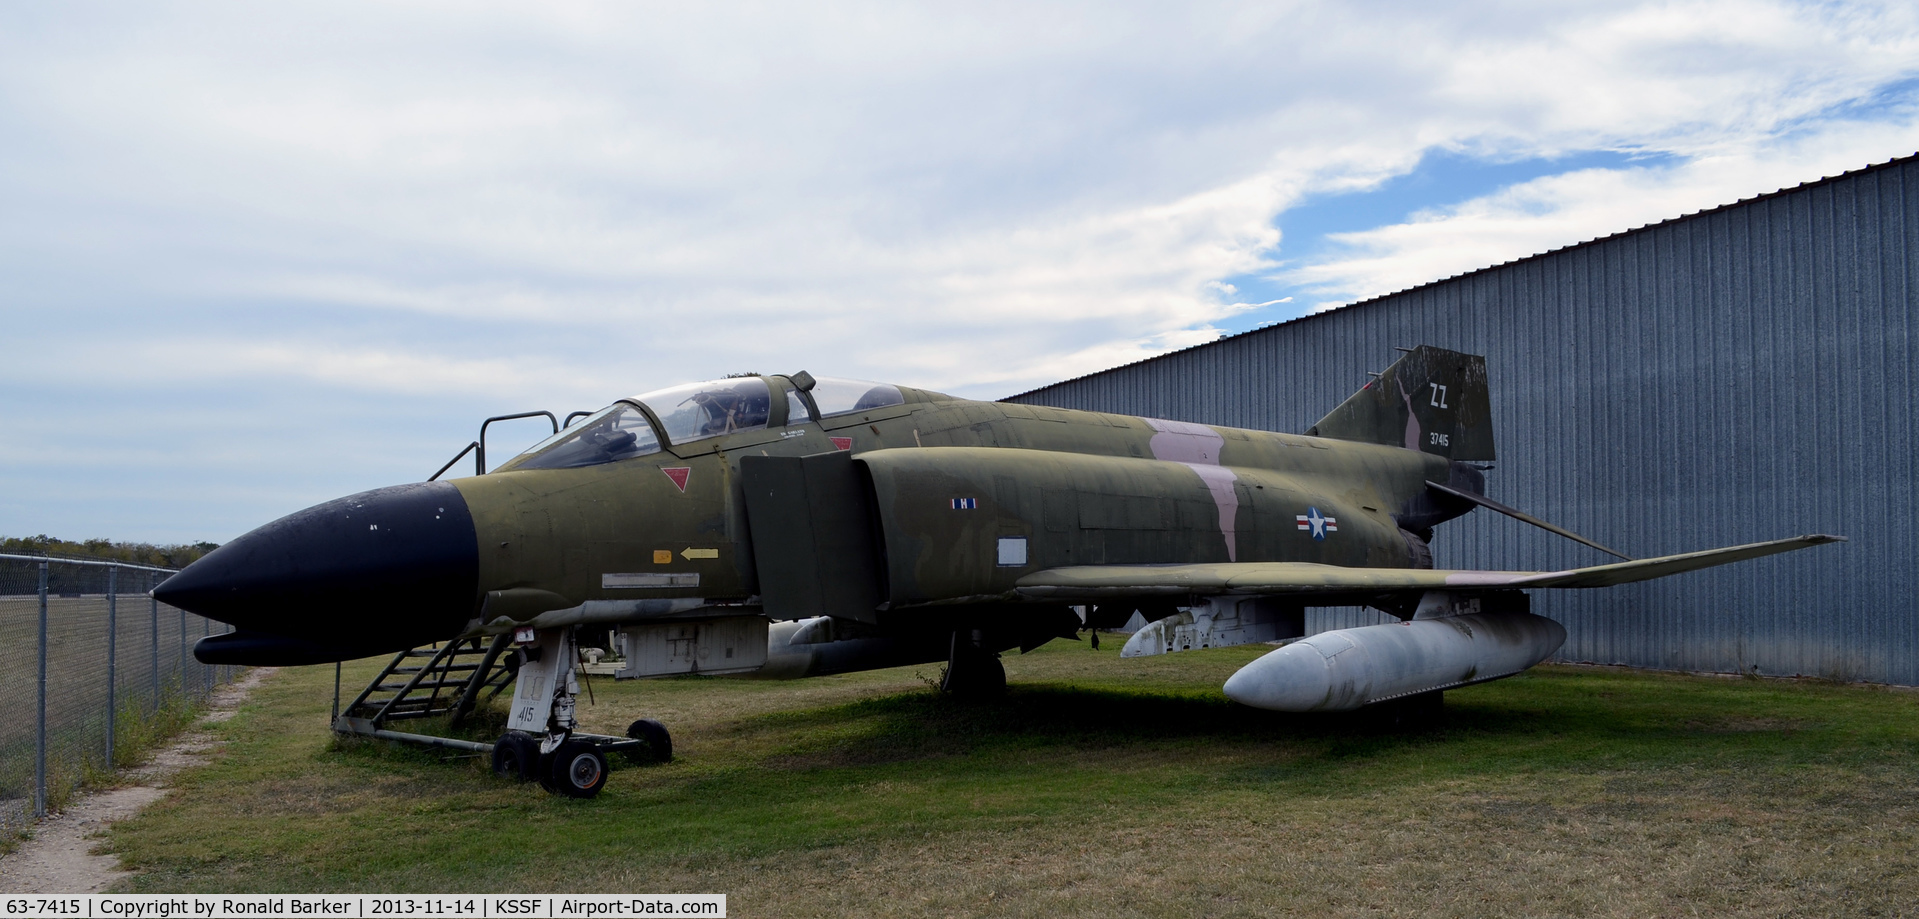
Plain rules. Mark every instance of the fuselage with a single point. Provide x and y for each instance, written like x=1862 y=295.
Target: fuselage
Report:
x=962 y=498
x=1082 y=487
x=780 y=527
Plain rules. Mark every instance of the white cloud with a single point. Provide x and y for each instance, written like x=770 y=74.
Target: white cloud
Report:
x=480 y=205
x=394 y=371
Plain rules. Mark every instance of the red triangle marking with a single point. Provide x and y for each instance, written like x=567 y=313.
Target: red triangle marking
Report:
x=678 y=474
x=842 y=443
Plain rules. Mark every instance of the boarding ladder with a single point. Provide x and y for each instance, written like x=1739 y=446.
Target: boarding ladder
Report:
x=444 y=678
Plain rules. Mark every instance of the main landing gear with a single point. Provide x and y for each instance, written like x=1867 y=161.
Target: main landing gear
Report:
x=973 y=670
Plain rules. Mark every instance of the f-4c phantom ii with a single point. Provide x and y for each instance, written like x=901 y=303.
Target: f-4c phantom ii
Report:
x=787 y=526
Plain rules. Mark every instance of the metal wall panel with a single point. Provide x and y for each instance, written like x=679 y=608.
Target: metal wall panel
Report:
x=1731 y=376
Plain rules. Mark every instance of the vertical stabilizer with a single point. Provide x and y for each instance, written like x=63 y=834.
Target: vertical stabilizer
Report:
x=1431 y=400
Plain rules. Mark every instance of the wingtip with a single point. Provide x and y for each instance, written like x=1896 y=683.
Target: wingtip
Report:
x=1817 y=538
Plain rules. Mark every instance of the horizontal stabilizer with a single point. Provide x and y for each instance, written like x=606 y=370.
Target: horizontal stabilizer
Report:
x=1306 y=578
x=1522 y=517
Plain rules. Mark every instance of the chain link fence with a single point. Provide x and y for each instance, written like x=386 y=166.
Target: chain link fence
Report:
x=92 y=665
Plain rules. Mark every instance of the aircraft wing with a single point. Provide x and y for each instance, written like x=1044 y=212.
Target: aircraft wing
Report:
x=1263 y=578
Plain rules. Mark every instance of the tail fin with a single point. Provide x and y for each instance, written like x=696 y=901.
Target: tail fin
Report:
x=1431 y=400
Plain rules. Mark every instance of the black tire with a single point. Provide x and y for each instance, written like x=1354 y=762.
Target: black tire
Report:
x=577 y=769
x=516 y=756
x=659 y=743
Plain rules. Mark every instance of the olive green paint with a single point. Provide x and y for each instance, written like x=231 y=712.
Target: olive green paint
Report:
x=1081 y=488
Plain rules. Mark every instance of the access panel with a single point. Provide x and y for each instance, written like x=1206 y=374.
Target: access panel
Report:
x=736 y=644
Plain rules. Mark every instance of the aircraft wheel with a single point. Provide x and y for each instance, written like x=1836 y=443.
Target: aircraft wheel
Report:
x=516 y=756
x=975 y=673
x=659 y=743
x=577 y=769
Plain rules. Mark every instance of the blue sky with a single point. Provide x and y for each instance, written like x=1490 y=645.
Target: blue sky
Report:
x=258 y=256
x=1310 y=227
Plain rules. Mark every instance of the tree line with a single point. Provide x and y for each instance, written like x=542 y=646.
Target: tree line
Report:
x=137 y=553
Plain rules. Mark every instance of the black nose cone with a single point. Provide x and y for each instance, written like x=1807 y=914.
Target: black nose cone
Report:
x=381 y=570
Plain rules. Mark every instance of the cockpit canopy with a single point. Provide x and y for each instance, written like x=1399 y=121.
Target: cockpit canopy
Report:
x=695 y=411
x=837 y=397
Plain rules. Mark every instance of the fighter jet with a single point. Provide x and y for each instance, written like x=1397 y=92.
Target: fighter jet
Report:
x=787 y=526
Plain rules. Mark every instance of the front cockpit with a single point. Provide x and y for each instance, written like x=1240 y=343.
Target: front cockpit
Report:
x=619 y=431
x=684 y=414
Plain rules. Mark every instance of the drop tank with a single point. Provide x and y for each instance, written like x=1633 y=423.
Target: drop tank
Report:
x=1348 y=668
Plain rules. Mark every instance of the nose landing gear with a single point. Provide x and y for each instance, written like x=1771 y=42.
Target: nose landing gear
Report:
x=542 y=741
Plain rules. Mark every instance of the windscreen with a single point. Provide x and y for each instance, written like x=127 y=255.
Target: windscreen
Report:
x=617 y=432
x=699 y=410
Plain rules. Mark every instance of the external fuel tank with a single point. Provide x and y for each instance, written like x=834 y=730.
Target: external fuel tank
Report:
x=1348 y=668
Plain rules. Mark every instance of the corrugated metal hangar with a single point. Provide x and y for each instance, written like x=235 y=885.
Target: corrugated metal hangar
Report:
x=1730 y=376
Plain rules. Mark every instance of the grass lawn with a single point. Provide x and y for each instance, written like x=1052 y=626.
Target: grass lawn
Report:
x=1100 y=787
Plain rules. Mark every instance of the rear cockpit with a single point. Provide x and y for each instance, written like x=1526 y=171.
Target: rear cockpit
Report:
x=840 y=397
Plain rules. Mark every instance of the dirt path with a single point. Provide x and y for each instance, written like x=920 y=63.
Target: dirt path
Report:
x=59 y=857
